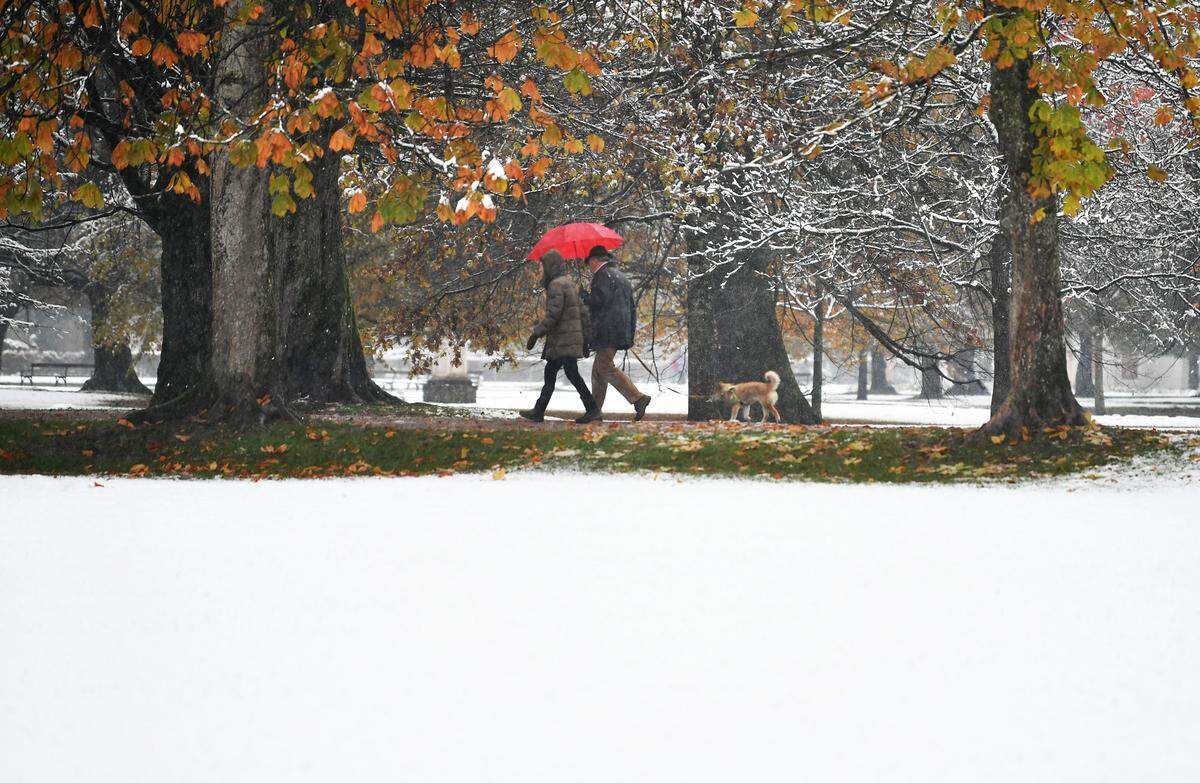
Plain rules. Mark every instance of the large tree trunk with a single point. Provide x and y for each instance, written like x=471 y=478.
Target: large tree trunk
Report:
x=317 y=332
x=751 y=342
x=113 y=361
x=1040 y=394
x=247 y=363
x=1193 y=372
x=1084 y=384
x=1000 y=272
x=186 y=284
x=281 y=326
x=879 y=379
x=862 y=374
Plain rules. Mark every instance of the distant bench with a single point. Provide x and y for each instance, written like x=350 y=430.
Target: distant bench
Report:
x=59 y=370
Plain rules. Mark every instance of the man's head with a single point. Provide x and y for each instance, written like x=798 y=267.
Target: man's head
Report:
x=597 y=257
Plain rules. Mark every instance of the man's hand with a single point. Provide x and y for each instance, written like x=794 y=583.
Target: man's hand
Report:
x=532 y=341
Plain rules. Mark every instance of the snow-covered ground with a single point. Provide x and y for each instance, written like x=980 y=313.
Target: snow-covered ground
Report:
x=839 y=405
x=49 y=396
x=464 y=629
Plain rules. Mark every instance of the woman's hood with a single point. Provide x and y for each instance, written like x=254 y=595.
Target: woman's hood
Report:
x=554 y=266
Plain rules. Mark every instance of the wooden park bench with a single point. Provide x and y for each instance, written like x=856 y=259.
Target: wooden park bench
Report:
x=59 y=370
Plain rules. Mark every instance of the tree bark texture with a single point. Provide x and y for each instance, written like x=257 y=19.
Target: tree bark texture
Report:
x=1000 y=271
x=1084 y=384
x=1040 y=393
x=7 y=311
x=818 y=363
x=863 y=374
x=247 y=367
x=703 y=344
x=317 y=332
x=183 y=227
x=1193 y=371
x=879 y=379
x=931 y=382
x=1099 y=405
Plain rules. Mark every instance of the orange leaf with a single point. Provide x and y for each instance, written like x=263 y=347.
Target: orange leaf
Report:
x=506 y=48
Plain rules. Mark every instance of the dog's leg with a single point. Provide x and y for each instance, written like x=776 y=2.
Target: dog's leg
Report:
x=733 y=415
x=774 y=413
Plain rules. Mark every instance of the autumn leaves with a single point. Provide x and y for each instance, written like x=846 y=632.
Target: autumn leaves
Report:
x=397 y=83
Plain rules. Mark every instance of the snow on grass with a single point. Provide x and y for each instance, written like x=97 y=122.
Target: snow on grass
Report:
x=499 y=399
x=51 y=397
x=563 y=627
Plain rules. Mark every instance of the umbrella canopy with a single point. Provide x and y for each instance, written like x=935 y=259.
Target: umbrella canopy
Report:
x=575 y=240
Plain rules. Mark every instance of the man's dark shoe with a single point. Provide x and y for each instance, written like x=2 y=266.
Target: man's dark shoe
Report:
x=590 y=416
x=533 y=415
x=639 y=407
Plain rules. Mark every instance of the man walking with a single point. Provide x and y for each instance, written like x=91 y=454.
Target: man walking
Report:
x=610 y=303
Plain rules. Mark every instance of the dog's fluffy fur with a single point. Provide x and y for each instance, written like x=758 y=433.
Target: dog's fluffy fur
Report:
x=739 y=394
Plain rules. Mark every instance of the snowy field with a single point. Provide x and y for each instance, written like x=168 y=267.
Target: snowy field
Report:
x=839 y=406
x=463 y=630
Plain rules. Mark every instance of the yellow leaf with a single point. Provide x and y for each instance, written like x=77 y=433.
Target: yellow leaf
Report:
x=746 y=17
x=1156 y=174
x=595 y=142
x=499 y=474
x=998 y=439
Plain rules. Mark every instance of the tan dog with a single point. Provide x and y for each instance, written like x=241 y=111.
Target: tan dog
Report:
x=739 y=394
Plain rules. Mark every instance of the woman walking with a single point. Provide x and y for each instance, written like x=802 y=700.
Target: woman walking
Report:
x=565 y=326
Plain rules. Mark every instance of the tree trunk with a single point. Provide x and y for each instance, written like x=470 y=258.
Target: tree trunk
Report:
x=751 y=342
x=113 y=370
x=1040 y=393
x=247 y=363
x=818 y=365
x=931 y=382
x=879 y=379
x=703 y=345
x=966 y=374
x=862 y=374
x=1099 y=406
x=1084 y=385
x=1193 y=373
x=280 y=326
x=6 y=312
x=186 y=271
x=317 y=332
x=1000 y=272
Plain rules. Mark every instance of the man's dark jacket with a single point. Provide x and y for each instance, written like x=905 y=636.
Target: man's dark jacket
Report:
x=611 y=304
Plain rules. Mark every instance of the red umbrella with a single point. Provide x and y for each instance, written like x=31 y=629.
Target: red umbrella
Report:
x=575 y=240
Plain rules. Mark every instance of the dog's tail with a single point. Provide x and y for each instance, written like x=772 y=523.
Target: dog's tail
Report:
x=772 y=378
